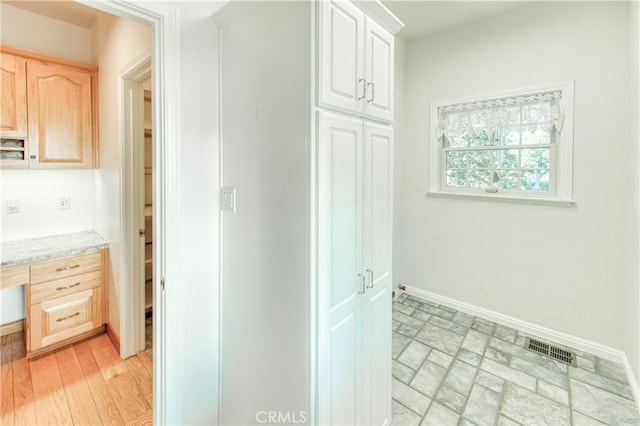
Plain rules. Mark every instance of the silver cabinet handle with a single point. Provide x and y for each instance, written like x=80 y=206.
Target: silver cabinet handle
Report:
x=364 y=88
x=373 y=91
x=370 y=278
x=362 y=280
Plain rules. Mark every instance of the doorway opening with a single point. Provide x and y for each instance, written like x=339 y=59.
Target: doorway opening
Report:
x=147 y=184
x=137 y=327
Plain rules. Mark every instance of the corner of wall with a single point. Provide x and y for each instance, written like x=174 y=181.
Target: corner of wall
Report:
x=632 y=379
x=634 y=297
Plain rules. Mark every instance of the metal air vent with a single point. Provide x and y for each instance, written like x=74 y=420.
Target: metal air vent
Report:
x=562 y=355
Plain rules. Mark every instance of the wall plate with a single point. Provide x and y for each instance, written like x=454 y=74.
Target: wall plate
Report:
x=228 y=199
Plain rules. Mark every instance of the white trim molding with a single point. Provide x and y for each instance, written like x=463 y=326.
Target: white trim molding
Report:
x=232 y=11
x=168 y=392
x=535 y=330
x=132 y=284
x=504 y=199
x=381 y=14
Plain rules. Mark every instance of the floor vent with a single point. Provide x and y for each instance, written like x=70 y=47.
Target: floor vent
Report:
x=562 y=355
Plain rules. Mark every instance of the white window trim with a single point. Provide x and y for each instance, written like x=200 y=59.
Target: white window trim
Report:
x=563 y=196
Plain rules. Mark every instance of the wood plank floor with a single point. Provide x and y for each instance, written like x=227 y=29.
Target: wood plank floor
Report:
x=84 y=384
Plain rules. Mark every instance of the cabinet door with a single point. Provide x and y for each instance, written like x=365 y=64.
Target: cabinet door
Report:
x=13 y=104
x=55 y=320
x=14 y=150
x=60 y=117
x=377 y=218
x=340 y=282
x=379 y=72
x=341 y=51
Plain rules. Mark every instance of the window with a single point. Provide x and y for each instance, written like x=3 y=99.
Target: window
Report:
x=514 y=146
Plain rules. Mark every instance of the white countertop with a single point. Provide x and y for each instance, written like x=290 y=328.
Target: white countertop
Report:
x=34 y=250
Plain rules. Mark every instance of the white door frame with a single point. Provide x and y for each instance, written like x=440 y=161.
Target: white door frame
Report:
x=132 y=330
x=167 y=392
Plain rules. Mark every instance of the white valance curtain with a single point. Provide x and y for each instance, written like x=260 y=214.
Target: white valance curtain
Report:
x=539 y=112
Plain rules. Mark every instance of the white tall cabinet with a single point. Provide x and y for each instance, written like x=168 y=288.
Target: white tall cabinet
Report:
x=307 y=143
x=354 y=270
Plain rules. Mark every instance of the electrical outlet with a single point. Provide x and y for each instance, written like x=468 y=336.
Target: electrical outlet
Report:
x=12 y=206
x=64 y=203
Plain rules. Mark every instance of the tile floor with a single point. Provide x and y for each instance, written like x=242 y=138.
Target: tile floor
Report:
x=450 y=368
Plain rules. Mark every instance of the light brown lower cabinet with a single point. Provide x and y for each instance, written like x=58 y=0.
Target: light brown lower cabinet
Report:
x=65 y=301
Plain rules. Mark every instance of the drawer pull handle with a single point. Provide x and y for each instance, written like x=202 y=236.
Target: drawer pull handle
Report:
x=68 y=286
x=68 y=317
x=64 y=268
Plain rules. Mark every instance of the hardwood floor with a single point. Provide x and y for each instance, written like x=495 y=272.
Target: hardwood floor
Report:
x=84 y=384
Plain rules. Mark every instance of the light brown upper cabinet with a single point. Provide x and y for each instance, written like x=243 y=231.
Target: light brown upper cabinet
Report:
x=13 y=112
x=49 y=112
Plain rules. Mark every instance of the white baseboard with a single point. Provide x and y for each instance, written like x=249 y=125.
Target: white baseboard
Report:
x=631 y=378
x=535 y=330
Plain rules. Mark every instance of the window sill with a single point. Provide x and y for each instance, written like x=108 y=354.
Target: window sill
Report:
x=501 y=198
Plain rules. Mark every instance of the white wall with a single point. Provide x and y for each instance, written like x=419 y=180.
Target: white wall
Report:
x=563 y=268
x=38 y=190
x=632 y=293
x=198 y=361
x=116 y=42
x=266 y=71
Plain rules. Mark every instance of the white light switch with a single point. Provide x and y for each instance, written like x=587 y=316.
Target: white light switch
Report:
x=228 y=199
x=13 y=206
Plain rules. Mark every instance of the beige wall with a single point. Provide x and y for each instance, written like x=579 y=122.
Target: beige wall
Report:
x=52 y=37
x=116 y=43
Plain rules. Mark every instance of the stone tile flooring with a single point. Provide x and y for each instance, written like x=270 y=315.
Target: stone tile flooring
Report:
x=450 y=368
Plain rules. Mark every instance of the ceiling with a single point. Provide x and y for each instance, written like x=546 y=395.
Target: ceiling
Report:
x=70 y=12
x=421 y=17
x=425 y=17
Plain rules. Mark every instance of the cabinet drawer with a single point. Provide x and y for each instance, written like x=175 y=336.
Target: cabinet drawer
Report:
x=65 y=286
x=16 y=275
x=58 y=319
x=66 y=267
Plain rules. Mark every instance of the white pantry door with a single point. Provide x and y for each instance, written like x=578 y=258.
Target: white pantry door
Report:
x=378 y=185
x=341 y=76
x=354 y=271
x=379 y=72
x=340 y=279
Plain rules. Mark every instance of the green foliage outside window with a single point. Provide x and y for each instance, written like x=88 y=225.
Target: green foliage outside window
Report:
x=506 y=160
